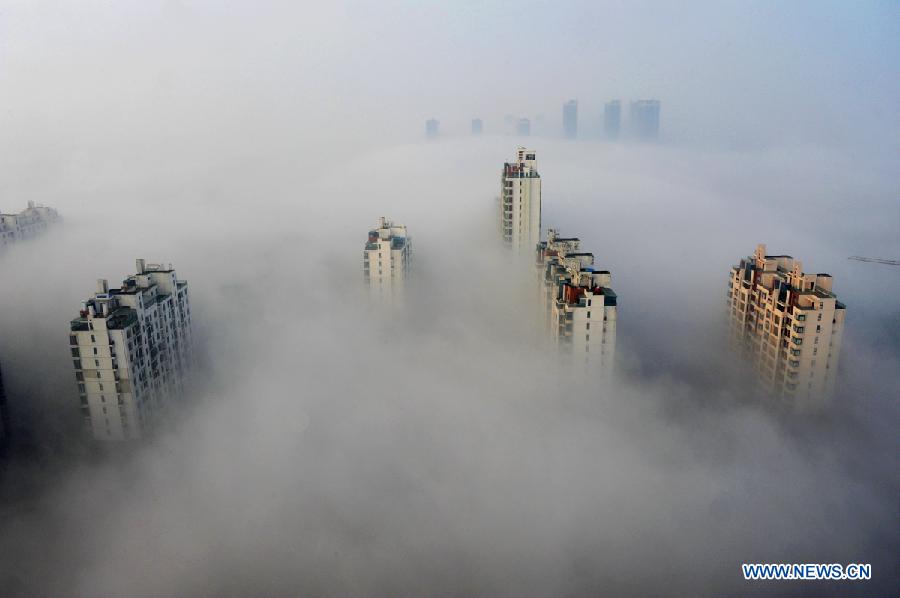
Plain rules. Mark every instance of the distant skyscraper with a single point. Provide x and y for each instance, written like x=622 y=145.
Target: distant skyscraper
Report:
x=644 y=118
x=431 y=128
x=386 y=260
x=132 y=349
x=520 y=202
x=477 y=126
x=612 y=119
x=789 y=323
x=570 y=119
x=523 y=127
x=580 y=308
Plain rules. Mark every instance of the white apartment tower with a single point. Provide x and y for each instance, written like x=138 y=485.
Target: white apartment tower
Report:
x=520 y=202
x=132 y=349
x=579 y=306
x=386 y=260
x=788 y=323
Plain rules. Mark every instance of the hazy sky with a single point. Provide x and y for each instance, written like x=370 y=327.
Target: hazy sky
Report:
x=334 y=448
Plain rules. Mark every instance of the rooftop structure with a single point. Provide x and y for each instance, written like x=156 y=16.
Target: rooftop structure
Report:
x=789 y=324
x=132 y=349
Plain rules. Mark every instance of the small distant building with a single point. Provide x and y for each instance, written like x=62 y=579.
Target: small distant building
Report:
x=612 y=119
x=578 y=303
x=570 y=119
x=132 y=349
x=26 y=224
x=789 y=324
x=477 y=126
x=644 y=116
x=523 y=127
x=432 y=126
x=387 y=259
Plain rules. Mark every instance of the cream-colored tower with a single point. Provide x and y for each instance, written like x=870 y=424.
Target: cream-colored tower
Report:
x=520 y=202
x=789 y=323
x=580 y=308
x=386 y=260
x=132 y=349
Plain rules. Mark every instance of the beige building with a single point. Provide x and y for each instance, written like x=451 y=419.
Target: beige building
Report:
x=132 y=349
x=578 y=305
x=788 y=322
x=520 y=202
x=386 y=260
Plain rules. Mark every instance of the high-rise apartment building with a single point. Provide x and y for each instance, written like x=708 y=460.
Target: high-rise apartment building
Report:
x=432 y=126
x=386 y=260
x=570 y=119
x=644 y=118
x=520 y=202
x=477 y=126
x=788 y=323
x=578 y=303
x=523 y=127
x=612 y=119
x=26 y=224
x=132 y=349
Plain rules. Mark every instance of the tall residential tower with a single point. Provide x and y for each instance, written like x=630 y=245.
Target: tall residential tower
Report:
x=520 y=202
x=132 y=349
x=644 y=117
x=579 y=307
x=387 y=259
x=788 y=323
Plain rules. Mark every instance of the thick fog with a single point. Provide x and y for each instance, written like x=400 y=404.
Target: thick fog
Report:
x=331 y=446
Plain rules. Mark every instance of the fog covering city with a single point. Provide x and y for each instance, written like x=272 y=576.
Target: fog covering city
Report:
x=329 y=446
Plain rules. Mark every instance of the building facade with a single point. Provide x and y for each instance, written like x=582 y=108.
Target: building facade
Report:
x=387 y=259
x=789 y=324
x=132 y=349
x=570 y=119
x=520 y=202
x=644 y=117
x=28 y=223
x=477 y=126
x=612 y=119
x=578 y=304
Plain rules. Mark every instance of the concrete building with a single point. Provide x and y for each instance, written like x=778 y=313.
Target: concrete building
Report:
x=477 y=126
x=612 y=119
x=28 y=223
x=523 y=127
x=788 y=323
x=432 y=126
x=520 y=202
x=387 y=260
x=644 y=120
x=578 y=304
x=570 y=119
x=132 y=350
